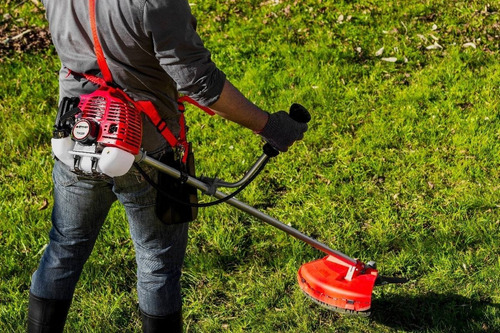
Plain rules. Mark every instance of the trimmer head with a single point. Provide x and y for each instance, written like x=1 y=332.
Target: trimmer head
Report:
x=337 y=286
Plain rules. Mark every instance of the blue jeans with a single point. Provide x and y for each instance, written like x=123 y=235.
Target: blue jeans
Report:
x=80 y=208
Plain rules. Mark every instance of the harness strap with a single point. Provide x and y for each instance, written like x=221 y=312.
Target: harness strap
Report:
x=149 y=109
x=188 y=99
x=101 y=60
x=145 y=106
x=92 y=78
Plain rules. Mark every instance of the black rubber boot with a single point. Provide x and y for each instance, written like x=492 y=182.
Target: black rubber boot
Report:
x=47 y=315
x=171 y=323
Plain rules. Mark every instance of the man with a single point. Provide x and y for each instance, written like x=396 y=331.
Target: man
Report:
x=153 y=53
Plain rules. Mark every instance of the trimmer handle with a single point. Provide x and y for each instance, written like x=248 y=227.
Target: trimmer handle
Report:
x=297 y=113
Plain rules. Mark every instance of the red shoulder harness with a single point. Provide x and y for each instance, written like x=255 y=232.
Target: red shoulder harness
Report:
x=106 y=88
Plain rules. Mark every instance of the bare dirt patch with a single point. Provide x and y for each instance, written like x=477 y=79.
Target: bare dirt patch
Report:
x=19 y=39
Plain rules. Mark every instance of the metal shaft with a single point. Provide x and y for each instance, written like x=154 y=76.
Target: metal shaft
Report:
x=262 y=159
x=348 y=261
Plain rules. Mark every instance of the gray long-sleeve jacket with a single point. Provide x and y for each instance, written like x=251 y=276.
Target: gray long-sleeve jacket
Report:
x=151 y=48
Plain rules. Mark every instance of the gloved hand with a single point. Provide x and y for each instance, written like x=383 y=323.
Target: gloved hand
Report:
x=281 y=131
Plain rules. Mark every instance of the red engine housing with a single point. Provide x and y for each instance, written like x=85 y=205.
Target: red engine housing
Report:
x=120 y=121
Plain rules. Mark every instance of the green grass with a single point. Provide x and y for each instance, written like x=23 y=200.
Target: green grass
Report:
x=400 y=165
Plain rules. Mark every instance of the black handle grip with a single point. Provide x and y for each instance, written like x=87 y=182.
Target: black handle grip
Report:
x=298 y=113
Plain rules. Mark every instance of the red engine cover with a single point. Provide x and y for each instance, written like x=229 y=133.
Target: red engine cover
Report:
x=120 y=122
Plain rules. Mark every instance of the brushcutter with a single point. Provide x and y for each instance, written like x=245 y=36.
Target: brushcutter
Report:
x=99 y=143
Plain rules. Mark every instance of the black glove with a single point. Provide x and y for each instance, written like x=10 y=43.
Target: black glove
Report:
x=281 y=131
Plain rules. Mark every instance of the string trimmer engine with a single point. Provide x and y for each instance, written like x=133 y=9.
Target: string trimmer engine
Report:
x=99 y=133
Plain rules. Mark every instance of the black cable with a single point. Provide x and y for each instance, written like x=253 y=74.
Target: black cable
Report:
x=199 y=205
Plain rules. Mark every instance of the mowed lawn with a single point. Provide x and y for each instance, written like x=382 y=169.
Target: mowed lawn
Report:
x=400 y=165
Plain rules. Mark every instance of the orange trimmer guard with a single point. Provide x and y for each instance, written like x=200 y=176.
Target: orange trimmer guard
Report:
x=337 y=286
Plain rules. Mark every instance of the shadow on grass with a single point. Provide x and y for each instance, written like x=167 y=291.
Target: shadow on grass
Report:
x=441 y=312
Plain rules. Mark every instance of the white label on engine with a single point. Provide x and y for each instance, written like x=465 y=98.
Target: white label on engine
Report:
x=81 y=130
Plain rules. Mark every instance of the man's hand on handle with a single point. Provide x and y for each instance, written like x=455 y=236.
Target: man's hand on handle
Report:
x=283 y=129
